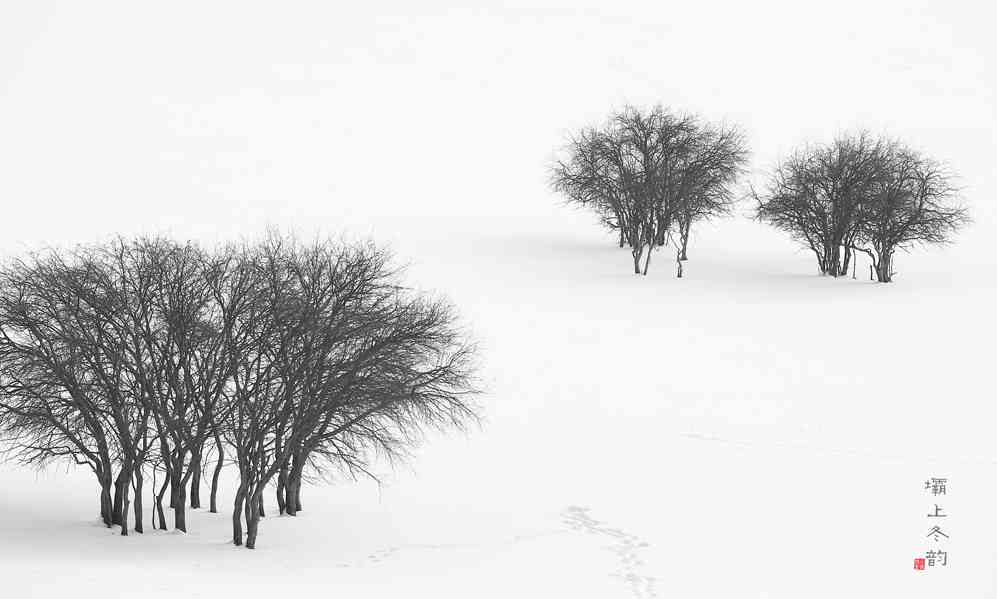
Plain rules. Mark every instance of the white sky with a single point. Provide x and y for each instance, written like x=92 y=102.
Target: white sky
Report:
x=218 y=119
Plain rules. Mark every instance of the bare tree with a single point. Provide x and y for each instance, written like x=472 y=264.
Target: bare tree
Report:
x=329 y=326
x=63 y=381
x=818 y=196
x=861 y=194
x=648 y=173
x=129 y=356
x=408 y=368
x=587 y=178
x=913 y=201
x=707 y=176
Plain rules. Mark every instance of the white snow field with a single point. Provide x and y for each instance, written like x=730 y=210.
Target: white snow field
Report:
x=751 y=430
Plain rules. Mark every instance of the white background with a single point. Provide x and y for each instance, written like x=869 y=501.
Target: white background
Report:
x=753 y=430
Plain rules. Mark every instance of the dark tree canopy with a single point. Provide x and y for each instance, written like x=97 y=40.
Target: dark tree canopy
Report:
x=861 y=194
x=130 y=357
x=913 y=201
x=649 y=175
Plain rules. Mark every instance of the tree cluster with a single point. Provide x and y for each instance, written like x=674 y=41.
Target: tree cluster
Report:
x=649 y=175
x=150 y=357
x=861 y=194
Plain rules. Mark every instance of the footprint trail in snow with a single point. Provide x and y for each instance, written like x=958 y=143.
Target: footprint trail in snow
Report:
x=625 y=546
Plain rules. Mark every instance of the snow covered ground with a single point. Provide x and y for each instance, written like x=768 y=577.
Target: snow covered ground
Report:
x=751 y=430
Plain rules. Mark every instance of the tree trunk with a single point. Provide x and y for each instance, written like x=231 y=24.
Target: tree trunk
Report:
x=684 y=235
x=846 y=262
x=125 y=504
x=159 y=502
x=253 y=519
x=678 y=260
x=293 y=491
x=179 y=492
x=291 y=505
x=195 y=481
x=153 y=496
x=660 y=235
x=217 y=473
x=281 y=489
x=138 y=501
x=829 y=260
x=106 y=503
x=116 y=502
x=884 y=270
x=647 y=260
x=834 y=260
x=297 y=489
x=636 y=251
x=240 y=496
x=120 y=484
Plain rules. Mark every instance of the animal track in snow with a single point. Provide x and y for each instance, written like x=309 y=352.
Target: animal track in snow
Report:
x=625 y=546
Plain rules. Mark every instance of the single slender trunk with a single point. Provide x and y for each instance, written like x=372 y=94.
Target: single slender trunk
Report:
x=660 y=235
x=636 y=251
x=125 y=504
x=106 y=502
x=281 y=490
x=240 y=497
x=647 y=260
x=678 y=260
x=159 y=502
x=293 y=491
x=250 y=511
x=884 y=270
x=291 y=504
x=105 y=513
x=138 y=501
x=153 y=496
x=622 y=238
x=295 y=497
x=167 y=457
x=195 y=481
x=121 y=483
x=281 y=475
x=214 y=477
x=179 y=491
x=253 y=509
x=116 y=502
x=684 y=237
